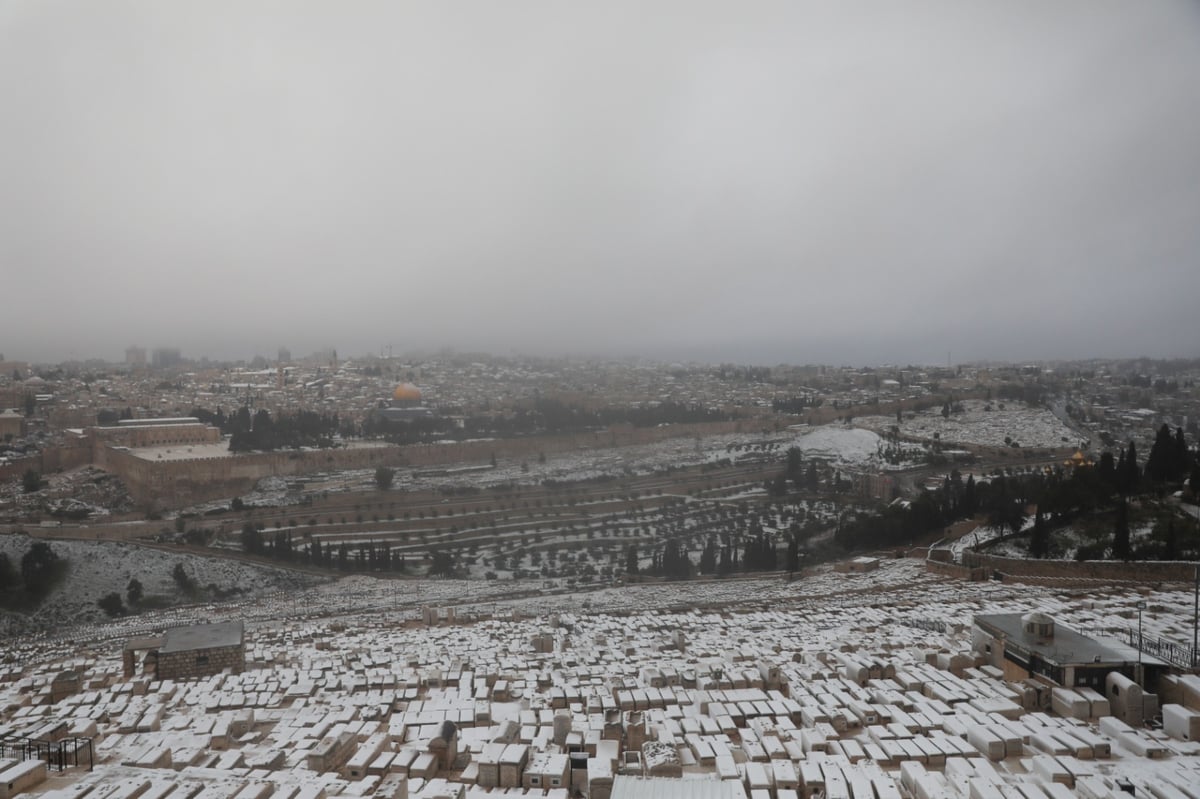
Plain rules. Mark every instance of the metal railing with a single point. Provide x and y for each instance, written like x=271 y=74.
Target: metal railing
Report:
x=58 y=755
x=1174 y=653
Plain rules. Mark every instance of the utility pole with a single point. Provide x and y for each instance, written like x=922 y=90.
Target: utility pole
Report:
x=1140 y=607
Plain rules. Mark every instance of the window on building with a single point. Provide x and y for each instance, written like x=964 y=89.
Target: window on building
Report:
x=201 y=660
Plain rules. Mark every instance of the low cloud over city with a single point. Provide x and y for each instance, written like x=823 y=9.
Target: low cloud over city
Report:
x=766 y=182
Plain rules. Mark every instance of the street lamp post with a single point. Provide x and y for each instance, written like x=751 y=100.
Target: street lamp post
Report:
x=1140 y=607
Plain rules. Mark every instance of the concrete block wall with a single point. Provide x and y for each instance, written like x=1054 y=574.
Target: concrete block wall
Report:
x=200 y=662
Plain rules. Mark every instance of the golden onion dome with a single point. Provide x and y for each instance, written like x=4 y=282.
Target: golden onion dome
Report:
x=406 y=392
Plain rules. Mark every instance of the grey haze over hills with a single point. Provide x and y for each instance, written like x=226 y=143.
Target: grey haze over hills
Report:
x=766 y=181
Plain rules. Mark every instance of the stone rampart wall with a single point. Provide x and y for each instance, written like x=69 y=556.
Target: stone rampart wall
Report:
x=1138 y=571
x=15 y=468
x=159 y=485
x=71 y=455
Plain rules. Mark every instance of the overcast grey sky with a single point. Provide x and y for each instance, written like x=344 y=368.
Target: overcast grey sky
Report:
x=755 y=181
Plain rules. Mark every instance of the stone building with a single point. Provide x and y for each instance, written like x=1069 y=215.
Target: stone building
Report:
x=201 y=650
x=12 y=424
x=177 y=431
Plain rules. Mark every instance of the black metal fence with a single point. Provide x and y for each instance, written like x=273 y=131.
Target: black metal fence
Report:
x=1173 y=652
x=58 y=755
x=1177 y=654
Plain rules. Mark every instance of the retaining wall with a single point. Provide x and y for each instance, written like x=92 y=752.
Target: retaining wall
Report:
x=956 y=571
x=1136 y=571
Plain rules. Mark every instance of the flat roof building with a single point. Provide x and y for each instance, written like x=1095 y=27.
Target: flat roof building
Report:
x=202 y=649
x=1031 y=644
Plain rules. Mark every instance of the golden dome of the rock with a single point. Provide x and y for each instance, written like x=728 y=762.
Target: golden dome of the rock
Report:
x=406 y=392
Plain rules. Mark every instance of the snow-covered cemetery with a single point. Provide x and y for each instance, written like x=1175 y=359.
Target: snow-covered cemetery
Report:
x=984 y=593
x=873 y=678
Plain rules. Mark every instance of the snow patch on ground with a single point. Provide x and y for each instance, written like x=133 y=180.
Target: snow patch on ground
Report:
x=87 y=489
x=986 y=423
x=851 y=446
x=99 y=568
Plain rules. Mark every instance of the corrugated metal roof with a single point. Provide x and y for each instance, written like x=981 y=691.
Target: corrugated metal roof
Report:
x=625 y=787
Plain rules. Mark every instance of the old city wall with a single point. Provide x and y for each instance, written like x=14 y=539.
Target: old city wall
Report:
x=15 y=468
x=482 y=450
x=74 y=453
x=158 y=485
x=1138 y=571
x=70 y=455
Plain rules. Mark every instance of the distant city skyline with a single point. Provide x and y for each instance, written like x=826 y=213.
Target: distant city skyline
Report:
x=271 y=357
x=772 y=182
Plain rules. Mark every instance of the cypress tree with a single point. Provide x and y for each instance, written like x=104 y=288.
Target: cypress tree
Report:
x=1107 y=470
x=1131 y=467
x=1039 y=544
x=970 y=499
x=1120 y=546
x=725 y=566
x=1171 y=547
x=708 y=559
x=1160 y=464
x=1182 y=460
x=795 y=464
